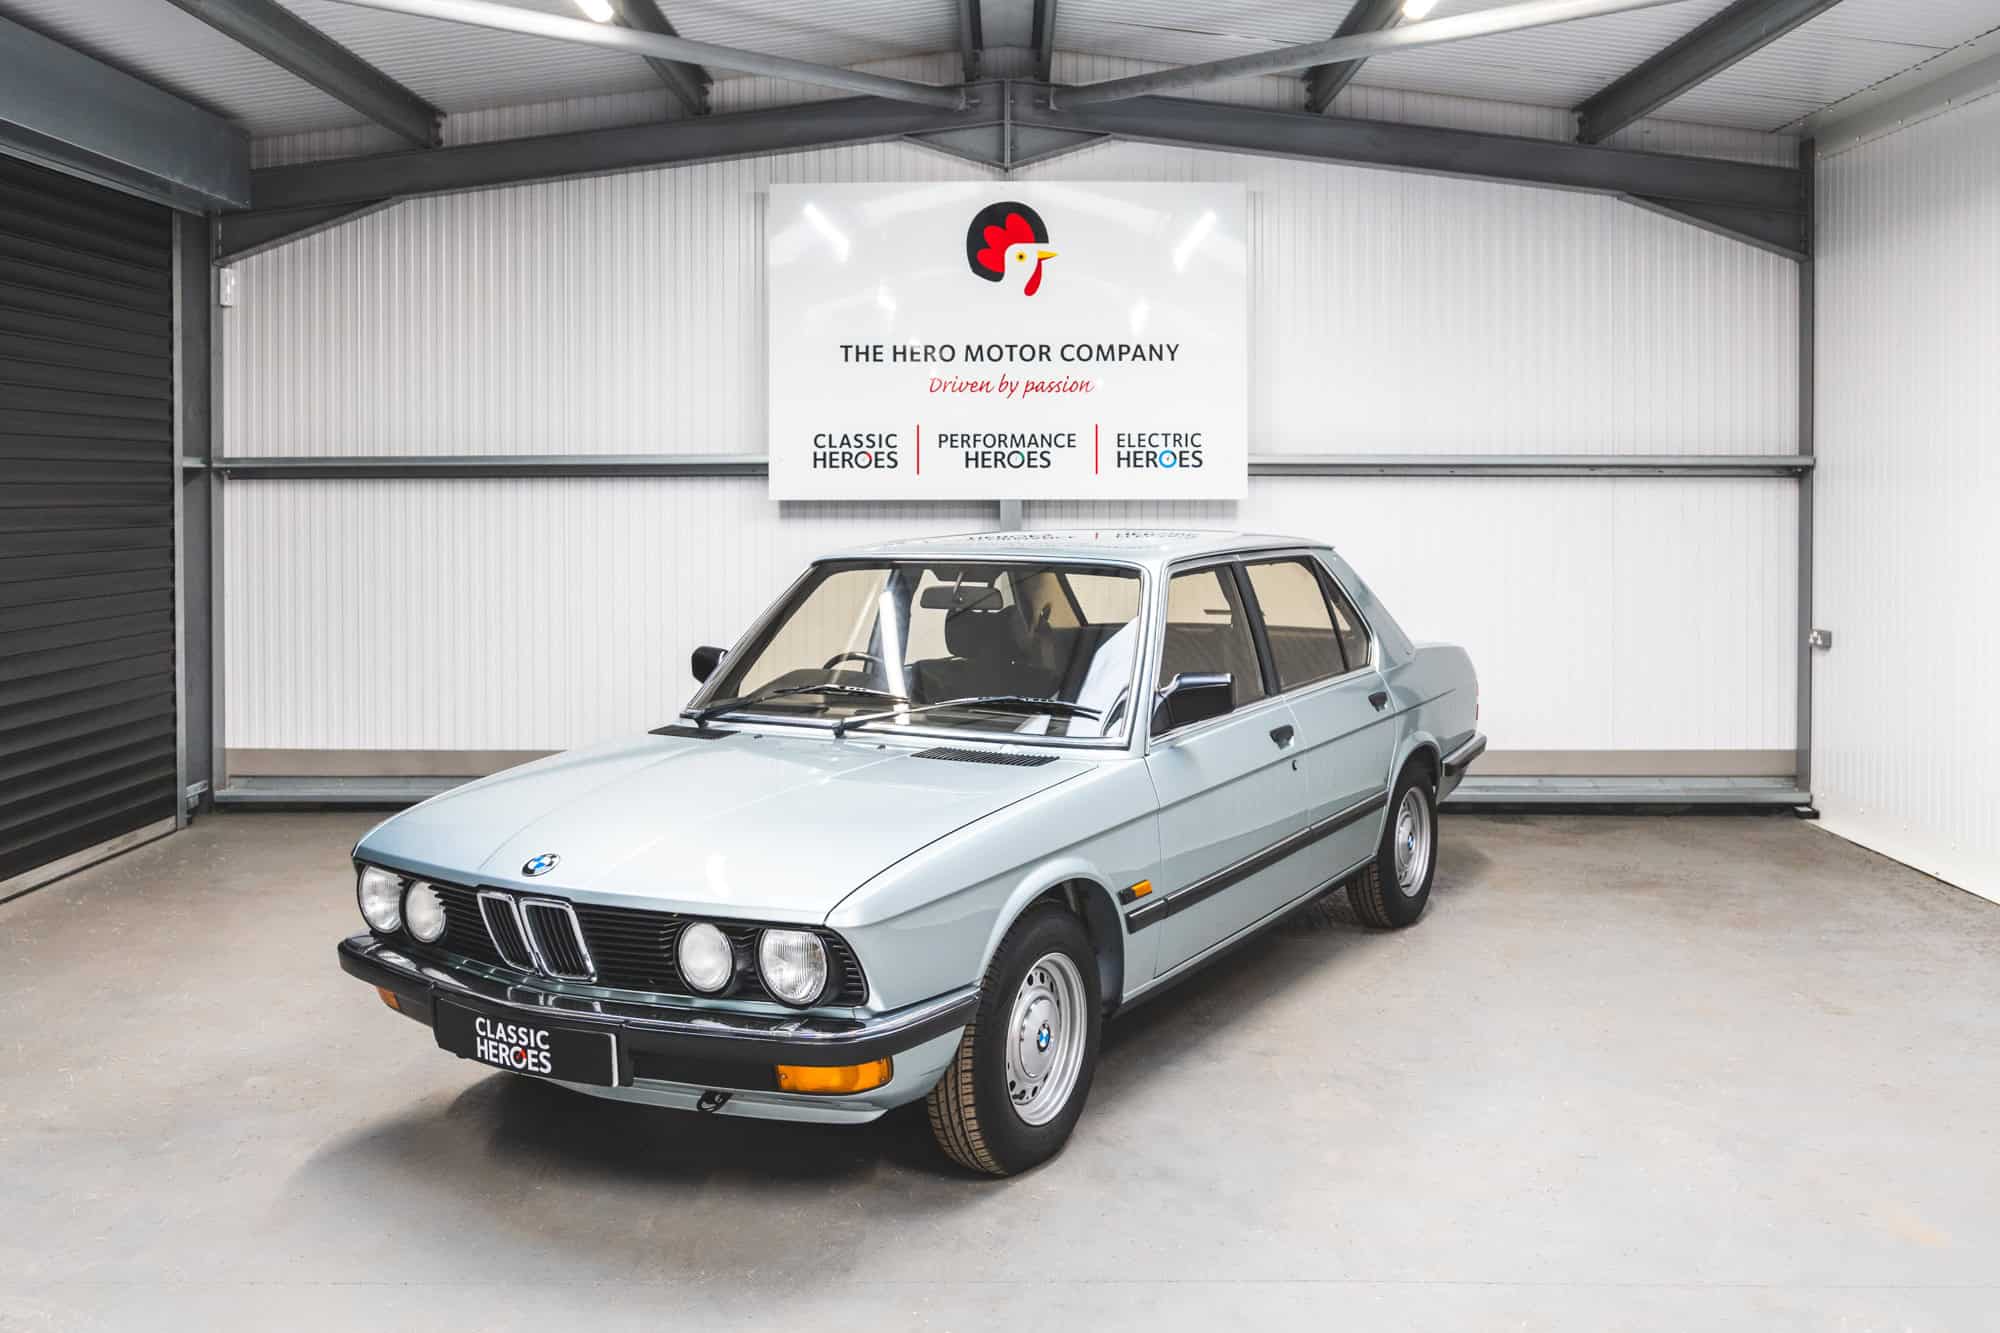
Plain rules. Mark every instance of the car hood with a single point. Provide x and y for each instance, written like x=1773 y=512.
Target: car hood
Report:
x=769 y=827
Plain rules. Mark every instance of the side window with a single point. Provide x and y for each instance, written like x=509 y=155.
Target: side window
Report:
x=1297 y=621
x=1353 y=634
x=1207 y=631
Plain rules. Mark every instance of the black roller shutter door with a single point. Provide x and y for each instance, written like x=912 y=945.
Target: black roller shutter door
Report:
x=86 y=516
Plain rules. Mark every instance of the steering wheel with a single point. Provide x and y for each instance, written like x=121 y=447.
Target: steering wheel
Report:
x=828 y=665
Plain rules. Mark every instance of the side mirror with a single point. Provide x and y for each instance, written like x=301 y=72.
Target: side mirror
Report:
x=1194 y=696
x=705 y=660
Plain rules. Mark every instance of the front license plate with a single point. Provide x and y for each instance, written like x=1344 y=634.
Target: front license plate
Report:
x=512 y=1043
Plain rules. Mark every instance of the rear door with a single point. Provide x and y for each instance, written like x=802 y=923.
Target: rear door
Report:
x=1230 y=788
x=1325 y=666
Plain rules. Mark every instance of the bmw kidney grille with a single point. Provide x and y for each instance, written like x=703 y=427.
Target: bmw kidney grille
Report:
x=537 y=935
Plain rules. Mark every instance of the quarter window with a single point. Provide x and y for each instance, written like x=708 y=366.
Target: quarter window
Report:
x=1298 y=622
x=1347 y=622
x=1207 y=631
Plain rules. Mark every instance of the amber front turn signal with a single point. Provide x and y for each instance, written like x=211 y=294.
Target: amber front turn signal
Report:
x=833 y=1078
x=389 y=998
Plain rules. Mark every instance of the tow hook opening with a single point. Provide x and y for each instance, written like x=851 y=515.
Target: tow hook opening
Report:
x=712 y=1100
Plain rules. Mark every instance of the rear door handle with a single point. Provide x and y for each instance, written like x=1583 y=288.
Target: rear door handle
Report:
x=1283 y=735
x=1380 y=699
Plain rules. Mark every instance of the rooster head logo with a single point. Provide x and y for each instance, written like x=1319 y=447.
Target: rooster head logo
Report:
x=1007 y=243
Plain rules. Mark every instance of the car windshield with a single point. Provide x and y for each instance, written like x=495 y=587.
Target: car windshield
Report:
x=858 y=638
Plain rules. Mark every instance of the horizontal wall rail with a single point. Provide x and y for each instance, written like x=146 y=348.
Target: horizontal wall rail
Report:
x=1261 y=465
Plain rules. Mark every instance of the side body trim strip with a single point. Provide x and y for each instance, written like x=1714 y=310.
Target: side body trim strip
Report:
x=1230 y=875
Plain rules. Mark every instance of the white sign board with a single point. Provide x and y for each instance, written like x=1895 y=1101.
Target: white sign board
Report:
x=1002 y=340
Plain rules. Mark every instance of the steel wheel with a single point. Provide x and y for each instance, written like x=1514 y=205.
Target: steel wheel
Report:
x=1047 y=1031
x=1412 y=842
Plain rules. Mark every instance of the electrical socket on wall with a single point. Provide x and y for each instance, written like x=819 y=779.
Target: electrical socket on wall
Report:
x=1820 y=638
x=225 y=286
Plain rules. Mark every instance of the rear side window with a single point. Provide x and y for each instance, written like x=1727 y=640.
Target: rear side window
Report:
x=1347 y=623
x=1298 y=622
x=1208 y=631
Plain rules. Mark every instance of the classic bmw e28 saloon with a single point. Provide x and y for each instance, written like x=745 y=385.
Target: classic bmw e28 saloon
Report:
x=947 y=806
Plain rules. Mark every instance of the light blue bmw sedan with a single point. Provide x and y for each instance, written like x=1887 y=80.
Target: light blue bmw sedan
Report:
x=946 y=807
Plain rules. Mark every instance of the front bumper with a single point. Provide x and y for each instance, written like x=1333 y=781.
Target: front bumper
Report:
x=665 y=1051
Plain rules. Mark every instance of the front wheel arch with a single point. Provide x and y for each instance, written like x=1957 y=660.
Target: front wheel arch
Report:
x=1086 y=897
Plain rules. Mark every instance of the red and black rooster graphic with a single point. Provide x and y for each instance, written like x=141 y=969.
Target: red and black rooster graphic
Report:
x=1008 y=242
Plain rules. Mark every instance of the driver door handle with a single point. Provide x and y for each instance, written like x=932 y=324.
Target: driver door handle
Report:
x=1380 y=699
x=1283 y=735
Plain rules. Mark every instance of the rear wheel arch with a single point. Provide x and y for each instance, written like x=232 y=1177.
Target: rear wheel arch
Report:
x=1421 y=748
x=1427 y=754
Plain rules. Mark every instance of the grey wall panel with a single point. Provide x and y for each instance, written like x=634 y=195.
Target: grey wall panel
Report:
x=87 y=712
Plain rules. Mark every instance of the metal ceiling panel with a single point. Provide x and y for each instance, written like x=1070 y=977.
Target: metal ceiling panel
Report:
x=1558 y=65
x=459 y=67
x=1187 y=32
x=832 y=32
x=179 y=53
x=1850 y=47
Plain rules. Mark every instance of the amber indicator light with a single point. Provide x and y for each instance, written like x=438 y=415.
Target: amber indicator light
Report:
x=833 y=1079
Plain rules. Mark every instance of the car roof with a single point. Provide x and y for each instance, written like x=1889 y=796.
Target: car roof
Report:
x=1152 y=547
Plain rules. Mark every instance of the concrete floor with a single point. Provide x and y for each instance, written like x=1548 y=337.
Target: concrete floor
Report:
x=1629 y=1073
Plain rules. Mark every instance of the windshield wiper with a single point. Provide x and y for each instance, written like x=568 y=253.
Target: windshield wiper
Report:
x=701 y=716
x=1005 y=703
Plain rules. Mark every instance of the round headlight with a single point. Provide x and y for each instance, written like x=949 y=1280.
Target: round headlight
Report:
x=423 y=912
x=381 y=896
x=707 y=961
x=793 y=963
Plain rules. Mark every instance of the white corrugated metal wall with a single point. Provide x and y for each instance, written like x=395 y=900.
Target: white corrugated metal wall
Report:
x=1390 y=312
x=1906 y=735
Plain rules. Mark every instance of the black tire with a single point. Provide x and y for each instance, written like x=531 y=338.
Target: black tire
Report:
x=972 y=1115
x=1375 y=893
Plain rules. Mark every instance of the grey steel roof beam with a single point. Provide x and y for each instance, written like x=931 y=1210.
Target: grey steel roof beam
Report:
x=1760 y=203
x=533 y=23
x=970 y=39
x=1044 y=39
x=1359 y=46
x=241 y=235
x=66 y=111
x=786 y=129
x=686 y=81
x=288 y=41
x=1428 y=148
x=1740 y=30
x=1324 y=82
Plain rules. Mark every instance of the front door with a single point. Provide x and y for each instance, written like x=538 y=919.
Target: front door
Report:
x=1232 y=788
